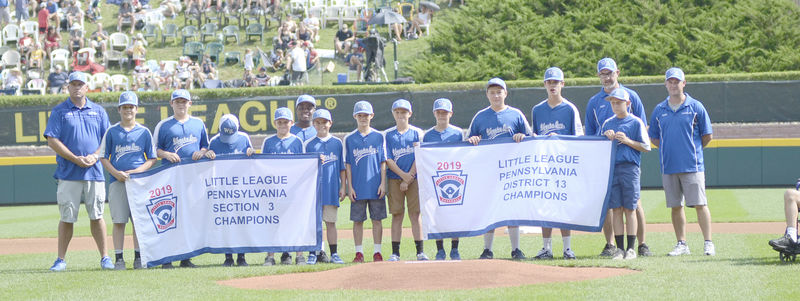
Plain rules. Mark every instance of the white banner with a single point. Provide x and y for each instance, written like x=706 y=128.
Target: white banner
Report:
x=555 y=181
x=234 y=204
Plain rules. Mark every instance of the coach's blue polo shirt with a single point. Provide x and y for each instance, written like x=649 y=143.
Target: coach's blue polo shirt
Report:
x=563 y=119
x=451 y=134
x=238 y=144
x=490 y=124
x=364 y=154
x=81 y=131
x=304 y=134
x=127 y=150
x=634 y=128
x=182 y=138
x=400 y=148
x=332 y=150
x=680 y=132
x=599 y=110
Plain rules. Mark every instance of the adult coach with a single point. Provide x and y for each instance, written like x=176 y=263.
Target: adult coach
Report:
x=74 y=131
x=598 y=110
x=304 y=110
x=680 y=128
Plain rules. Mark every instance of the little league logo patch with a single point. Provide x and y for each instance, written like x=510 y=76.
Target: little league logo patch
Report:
x=163 y=211
x=450 y=186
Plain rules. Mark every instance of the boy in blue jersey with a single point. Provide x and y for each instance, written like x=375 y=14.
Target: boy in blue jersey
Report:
x=680 y=129
x=555 y=116
x=128 y=149
x=305 y=110
x=631 y=135
x=444 y=132
x=181 y=136
x=597 y=111
x=230 y=141
x=402 y=175
x=283 y=142
x=365 y=163
x=497 y=121
x=333 y=173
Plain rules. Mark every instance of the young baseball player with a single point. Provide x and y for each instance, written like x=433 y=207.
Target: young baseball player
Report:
x=555 y=116
x=365 y=163
x=497 y=121
x=444 y=132
x=631 y=135
x=179 y=137
x=402 y=175
x=230 y=141
x=333 y=172
x=304 y=108
x=128 y=148
x=283 y=143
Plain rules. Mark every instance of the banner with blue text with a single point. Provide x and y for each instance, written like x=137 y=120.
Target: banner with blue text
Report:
x=555 y=181
x=234 y=204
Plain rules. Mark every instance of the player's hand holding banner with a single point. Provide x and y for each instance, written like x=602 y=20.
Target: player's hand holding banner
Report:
x=556 y=181
x=234 y=204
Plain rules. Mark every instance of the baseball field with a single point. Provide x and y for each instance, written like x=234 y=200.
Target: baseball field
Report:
x=745 y=267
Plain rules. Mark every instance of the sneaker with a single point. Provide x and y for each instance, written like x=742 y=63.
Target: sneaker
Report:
x=228 y=262
x=487 y=254
x=784 y=243
x=336 y=259
x=269 y=260
x=630 y=254
x=312 y=259
x=569 y=255
x=106 y=263
x=394 y=257
x=644 y=250
x=440 y=255
x=543 y=254
x=708 y=248
x=240 y=261
x=119 y=264
x=137 y=263
x=608 y=250
x=322 y=257
x=187 y=263
x=422 y=257
x=377 y=257
x=680 y=249
x=359 y=258
x=167 y=266
x=454 y=254
x=300 y=260
x=517 y=254
x=618 y=254
x=59 y=265
x=286 y=258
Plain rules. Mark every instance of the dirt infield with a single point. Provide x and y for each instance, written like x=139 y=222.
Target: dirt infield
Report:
x=449 y=275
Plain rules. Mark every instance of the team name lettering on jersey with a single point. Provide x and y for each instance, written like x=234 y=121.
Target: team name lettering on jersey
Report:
x=180 y=142
x=400 y=152
x=551 y=127
x=360 y=153
x=122 y=150
x=495 y=132
x=329 y=158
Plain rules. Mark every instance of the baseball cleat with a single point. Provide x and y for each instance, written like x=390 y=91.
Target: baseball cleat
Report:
x=336 y=259
x=359 y=258
x=680 y=249
x=240 y=261
x=377 y=257
x=59 y=265
x=708 y=248
x=119 y=264
x=440 y=255
x=608 y=250
x=394 y=257
x=269 y=261
x=300 y=260
x=454 y=254
x=644 y=250
x=286 y=258
x=323 y=257
x=487 y=254
x=569 y=255
x=137 y=263
x=544 y=254
x=630 y=254
x=106 y=263
x=517 y=254
x=187 y=263
x=618 y=254
x=228 y=262
x=312 y=259
x=422 y=257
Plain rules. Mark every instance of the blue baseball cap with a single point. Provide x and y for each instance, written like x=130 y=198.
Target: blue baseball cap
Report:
x=496 y=82
x=180 y=93
x=619 y=93
x=128 y=98
x=306 y=98
x=362 y=106
x=554 y=73
x=676 y=73
x=322 y=113
x=401 y=104
x=606 y=63
x=443 y=104
x=228 y=126
x=79 y=76
x=283 y=113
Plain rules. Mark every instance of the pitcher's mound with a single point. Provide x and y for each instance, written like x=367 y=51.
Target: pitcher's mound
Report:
x=426 y=275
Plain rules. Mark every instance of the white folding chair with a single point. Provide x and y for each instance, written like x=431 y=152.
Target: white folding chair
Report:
x=360 y=4
x=37 y=84
x=349 y=14
x=98 y=80
x=155 y=18
x=119 y=80
x=170 y=65
x=59 y=56
x=332 y=13
x=119 y=41
x=31 y=28
x=11 y=33
x=11 y=58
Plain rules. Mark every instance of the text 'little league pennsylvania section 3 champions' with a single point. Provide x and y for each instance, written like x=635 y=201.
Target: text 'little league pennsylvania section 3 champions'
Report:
x=233 y=204
x=556 y=181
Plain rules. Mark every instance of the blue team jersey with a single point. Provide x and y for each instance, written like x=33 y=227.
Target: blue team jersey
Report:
x=451 y=134
x=680 y=132
x=304 y=134
x=634 y=128
x=490 y=124
x=128 y=150
x=332 y=150
x=289 y=145
x=599 y=109
x=400 y=148
x=182 y=138
x=239 y=144
x=364 y=154
x=81 y=131
x=563 y=119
